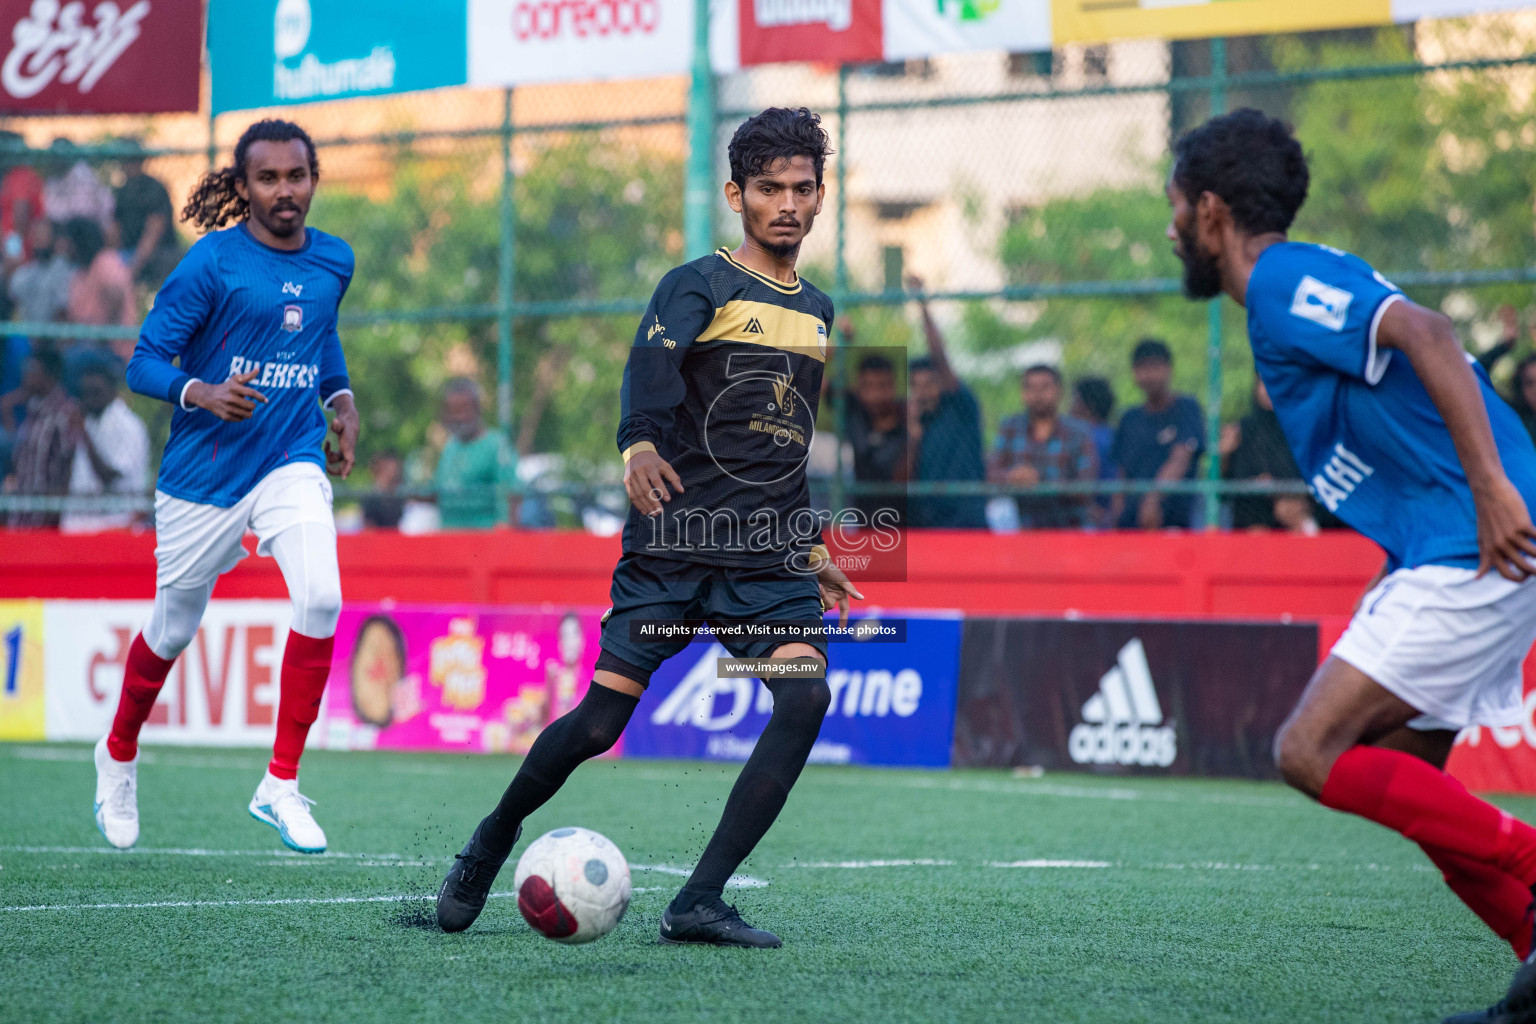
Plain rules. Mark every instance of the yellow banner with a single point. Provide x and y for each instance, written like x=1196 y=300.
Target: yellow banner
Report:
x=21 y=670
x=1098 y=21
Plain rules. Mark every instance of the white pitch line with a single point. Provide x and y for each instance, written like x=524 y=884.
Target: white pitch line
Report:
x=1049 y=864
x=171 y=904
x=856 y=864
x=196 y=852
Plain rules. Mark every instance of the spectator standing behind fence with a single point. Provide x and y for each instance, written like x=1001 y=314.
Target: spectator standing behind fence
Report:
x=1093 y=403
x=1255 y=448
x=874 y=426
x=21 y=200
x=45 y=444
x=147 y=238
x=477 y=466
x=39 y=288
x=943 y=434
x=1159 y=440
x=101 y=291
x=111 y=450
x=383 y=508
x=1040 y=446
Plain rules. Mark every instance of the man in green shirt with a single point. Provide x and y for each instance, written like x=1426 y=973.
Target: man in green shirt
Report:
x=476 y=463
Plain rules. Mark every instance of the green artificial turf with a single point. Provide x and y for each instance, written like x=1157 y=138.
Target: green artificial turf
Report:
x=1218 y=901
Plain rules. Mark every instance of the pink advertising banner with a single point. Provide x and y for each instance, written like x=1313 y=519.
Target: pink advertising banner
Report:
x=468 y=678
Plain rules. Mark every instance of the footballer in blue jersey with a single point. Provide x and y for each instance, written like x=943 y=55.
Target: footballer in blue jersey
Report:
x=1400 y=435
x=242 y=341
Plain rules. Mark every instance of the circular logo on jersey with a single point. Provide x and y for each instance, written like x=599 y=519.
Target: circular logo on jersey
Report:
x=758 y=429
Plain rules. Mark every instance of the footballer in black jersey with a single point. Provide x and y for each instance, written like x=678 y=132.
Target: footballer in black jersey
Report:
x=719 y=404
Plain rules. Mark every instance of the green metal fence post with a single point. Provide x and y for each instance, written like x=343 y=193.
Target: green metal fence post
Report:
x=699 y=190
x=1212 y=512
x=506 y=277
x=840 y=283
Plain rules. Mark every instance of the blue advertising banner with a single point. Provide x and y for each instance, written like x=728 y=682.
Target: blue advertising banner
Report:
x=892 y=703
x=275 y=52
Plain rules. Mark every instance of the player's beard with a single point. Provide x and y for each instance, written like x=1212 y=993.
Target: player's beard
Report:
x=1202 y=277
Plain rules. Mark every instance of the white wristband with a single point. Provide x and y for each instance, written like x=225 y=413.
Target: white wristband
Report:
x=182 y=401
x=335 y=395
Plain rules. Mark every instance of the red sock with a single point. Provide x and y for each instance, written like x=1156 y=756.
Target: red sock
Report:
x=1425 y=804
x=142 y=678
x=1498 y=898
x=306 y=664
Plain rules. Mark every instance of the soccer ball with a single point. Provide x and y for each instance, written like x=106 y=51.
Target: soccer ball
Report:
x=572 y=885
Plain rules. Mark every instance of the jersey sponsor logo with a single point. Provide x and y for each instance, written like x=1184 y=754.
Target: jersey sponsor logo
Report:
x=289 y=288
x=783 y=394
x=753 y=327
x=1342 y=473
x=821 y=339
x=1123 y=722
x=697 y=699
x=293 y=318
x=277 y=375
x=1321 y=303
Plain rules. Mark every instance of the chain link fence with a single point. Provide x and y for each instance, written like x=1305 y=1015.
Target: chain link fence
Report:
x=514 y=237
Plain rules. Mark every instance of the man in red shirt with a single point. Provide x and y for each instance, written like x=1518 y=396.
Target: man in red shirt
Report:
x=21 y=199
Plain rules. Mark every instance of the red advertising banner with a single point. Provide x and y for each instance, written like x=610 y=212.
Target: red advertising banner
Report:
x=1500 y=760
x=112 y=57
x=830 y=31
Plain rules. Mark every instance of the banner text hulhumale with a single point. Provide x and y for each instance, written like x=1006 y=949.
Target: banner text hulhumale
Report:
x=465 y=678
x=275 y=52
x=892 y=703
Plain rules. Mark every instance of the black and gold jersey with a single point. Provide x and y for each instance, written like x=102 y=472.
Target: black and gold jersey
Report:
x=723 y=382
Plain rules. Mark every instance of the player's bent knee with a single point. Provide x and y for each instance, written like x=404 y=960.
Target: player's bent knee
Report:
x=171 y=640
x=1298 y=760
x=804 y=700
x=318 y=612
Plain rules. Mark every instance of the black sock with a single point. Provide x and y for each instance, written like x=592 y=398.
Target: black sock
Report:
x=799 y=705
x=587 y=730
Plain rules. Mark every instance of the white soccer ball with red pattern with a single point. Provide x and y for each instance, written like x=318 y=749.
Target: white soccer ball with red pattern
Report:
x=572 y=885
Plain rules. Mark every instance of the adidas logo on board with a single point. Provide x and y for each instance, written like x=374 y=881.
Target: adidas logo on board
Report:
x=1123 y=722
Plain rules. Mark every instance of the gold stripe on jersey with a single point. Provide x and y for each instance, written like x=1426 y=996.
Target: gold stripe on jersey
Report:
x=765 y=323
x=787 y=289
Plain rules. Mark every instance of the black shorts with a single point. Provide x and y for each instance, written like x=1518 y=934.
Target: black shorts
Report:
x=650 y=589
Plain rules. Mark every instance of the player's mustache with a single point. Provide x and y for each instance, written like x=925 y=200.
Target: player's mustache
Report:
x=785 y=222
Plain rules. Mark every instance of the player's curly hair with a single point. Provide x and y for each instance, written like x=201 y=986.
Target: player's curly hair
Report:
x=1249 y=159
x=214 y=201
x=778 y=133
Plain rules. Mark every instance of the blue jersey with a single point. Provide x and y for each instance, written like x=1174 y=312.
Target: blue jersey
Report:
x=1366 y=434
x=234 y=305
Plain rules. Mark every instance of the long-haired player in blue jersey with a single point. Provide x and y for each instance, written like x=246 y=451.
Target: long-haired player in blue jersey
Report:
x=1402 y=436
x=250 y=314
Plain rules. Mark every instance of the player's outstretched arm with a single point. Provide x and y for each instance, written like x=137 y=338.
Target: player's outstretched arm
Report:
x=344 y=425
x=232 y=401
x=1506 y=538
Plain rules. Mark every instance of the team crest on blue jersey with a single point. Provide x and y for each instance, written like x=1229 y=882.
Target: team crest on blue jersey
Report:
x=1321 y=303
x=293 y=318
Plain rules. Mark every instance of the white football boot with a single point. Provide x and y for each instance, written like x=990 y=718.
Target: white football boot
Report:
x=117 y=797
x=279 y=803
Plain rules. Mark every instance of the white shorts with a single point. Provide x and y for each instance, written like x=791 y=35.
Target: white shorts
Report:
x=1446 y=642
x=195 y=543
